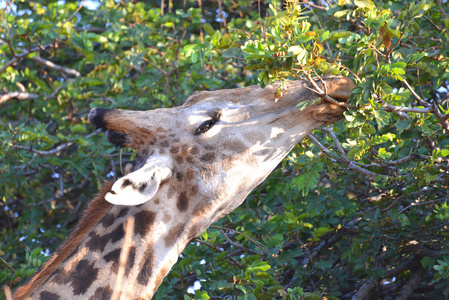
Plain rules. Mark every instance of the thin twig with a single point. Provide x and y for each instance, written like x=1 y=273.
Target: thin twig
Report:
x=52 y=151
x=74 y=14
x=314 y=5
x=322 y=93
x=407 y=109
x=417 y=97
x=23 y=55
x=17 y=95
x=443 y=17
x=370 y=175
x=25 y=96
x=239 y=245
x=365 y=289
x=233 y=260
x=415 y=280
x=8 y=265
x=335 y=139
x=421 y=203
x=40 y=152
x=56 y=67
x=252 y=240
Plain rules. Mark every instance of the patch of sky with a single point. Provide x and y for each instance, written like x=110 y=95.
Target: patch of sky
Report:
x=46 y=252
x=196 y=286
x=221 y=15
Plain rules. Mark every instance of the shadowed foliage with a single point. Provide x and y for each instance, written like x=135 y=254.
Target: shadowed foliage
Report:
x=357 y=209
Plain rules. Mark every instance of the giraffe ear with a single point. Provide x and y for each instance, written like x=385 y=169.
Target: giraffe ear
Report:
x=140 y=186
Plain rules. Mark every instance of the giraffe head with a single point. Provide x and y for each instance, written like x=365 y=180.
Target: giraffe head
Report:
x=217 y=145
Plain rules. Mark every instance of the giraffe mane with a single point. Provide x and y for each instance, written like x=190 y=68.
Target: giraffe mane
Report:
x=96 y=209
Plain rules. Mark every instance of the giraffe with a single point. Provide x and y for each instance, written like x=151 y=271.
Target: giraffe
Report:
x=194 y=164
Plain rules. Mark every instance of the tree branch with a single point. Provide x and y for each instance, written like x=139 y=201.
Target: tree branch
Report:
x=407 y=109
x=365 y=289
x=25 y=53
x=18 y=95
x=56 y=67
x=415 y=280
x=322 y=93
x=370 y=175
x=335 y=139
x=417 y=97
x=48 y=152
x=442 y=14
x=314 y=5
x=239 y=245
x=215 y=247
x=30 y=96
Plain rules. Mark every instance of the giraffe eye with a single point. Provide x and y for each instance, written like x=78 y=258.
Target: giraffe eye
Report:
x=205 y=126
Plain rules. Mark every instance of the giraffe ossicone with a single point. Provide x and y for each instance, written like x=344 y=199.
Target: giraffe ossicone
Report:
x=194 y=164
x=138 y=187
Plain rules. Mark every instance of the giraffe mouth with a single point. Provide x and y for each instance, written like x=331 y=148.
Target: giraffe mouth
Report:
x=119 y=139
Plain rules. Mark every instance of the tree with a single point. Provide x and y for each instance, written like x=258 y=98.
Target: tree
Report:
x=357 y=209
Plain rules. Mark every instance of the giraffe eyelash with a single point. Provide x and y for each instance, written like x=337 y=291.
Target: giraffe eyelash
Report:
x=204 y=127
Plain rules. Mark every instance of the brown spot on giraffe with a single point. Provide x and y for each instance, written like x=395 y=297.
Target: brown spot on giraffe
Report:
x=190 y=159
x=103 y=292
x=98 y=243
x=166 y=218
x=143 y=221
x=85 y=274
x=123 y=212
x=193 y=232
x=192 y=191
x=108 y=220
x=114 y=256
x=146 y=269
x=48 y=296
x=179 y=158
x=190 y=174
x=160 y=277
x=174 y=149
x=183 y=202
x=208 y=157
x=173 y=234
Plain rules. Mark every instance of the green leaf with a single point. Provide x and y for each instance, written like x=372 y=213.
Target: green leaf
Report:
x=325 y=36
x=208 y=28
x=216 y=38
x=382 y=117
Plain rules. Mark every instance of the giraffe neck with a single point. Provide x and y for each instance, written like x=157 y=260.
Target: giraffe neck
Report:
x=88 y=268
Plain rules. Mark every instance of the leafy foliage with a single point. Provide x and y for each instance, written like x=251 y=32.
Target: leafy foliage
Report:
x=357 y=208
